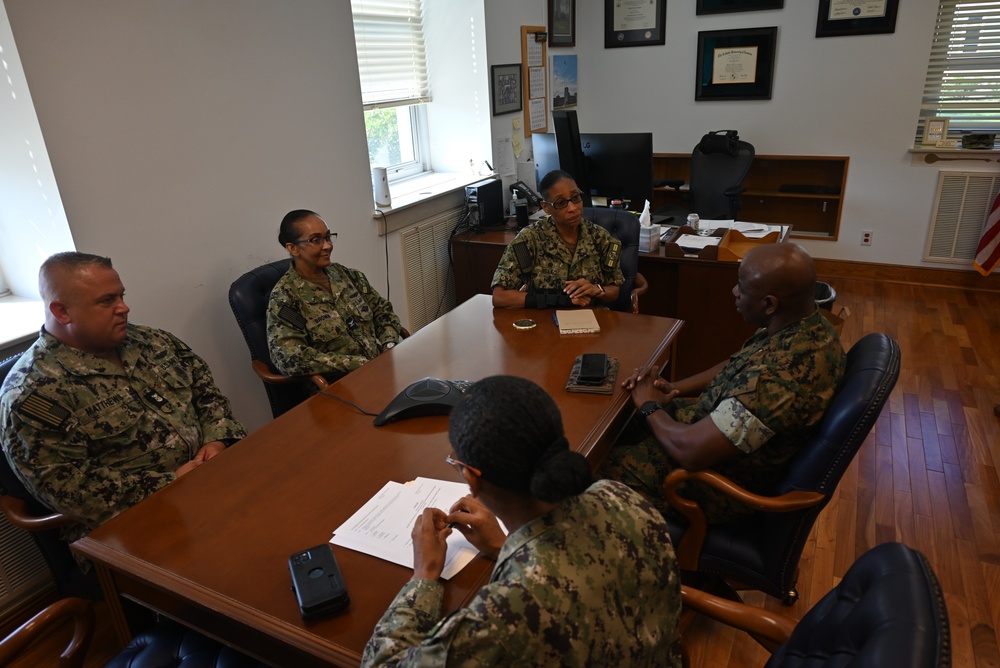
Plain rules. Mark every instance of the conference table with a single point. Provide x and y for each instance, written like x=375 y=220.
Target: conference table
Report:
x=211 y=549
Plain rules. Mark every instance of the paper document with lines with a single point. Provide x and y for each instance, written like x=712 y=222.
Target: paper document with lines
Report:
x=382 y=526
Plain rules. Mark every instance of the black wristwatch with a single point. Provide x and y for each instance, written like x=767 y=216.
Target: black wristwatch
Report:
x=649 y=407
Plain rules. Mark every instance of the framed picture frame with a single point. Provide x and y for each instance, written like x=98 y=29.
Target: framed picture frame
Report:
x=634 y=23
x=505 y=88
x=728 y=6
x=935 y=130
x=562 y=23
x=856 y=17
x=736 y=64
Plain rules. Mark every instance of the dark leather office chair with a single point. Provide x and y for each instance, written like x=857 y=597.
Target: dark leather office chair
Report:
x=26 y=512
x=248 y=297
x=165 y=645
x=764 y=553
x=887 y=611
x=624 y=226
x=715 y=187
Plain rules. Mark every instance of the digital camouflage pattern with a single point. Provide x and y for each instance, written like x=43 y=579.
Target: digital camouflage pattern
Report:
x=768 y=400
x=310 y=330
x=592 y=583
x=596 y=258
x=91 y=439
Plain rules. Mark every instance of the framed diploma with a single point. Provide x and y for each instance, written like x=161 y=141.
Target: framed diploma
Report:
x=856 y=17
x=634 y=22
x=736 y=64
x=726 y=6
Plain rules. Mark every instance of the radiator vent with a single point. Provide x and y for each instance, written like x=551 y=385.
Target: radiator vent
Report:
x=960 y=206
x=427 y=267
x=22 y=569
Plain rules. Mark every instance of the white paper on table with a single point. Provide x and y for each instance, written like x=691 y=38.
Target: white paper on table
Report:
x=382 y=526
x=749 y=230
x=696 y=241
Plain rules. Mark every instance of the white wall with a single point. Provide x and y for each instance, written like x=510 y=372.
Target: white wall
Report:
x=181 y=132
x=856 y=96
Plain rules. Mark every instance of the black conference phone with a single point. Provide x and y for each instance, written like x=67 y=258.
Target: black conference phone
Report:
x=427 y=396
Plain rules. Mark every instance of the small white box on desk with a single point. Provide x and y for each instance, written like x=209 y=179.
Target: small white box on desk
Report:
x=649 y=239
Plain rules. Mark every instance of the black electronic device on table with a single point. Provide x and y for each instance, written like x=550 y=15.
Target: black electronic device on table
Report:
x=318 y=583
x=427 y=396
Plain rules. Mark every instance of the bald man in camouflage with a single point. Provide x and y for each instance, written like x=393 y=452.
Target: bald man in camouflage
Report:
x=98 y=414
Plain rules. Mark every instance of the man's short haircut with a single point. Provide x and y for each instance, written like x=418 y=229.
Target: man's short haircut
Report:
x=68 y=260
x=287 y=231
x=552 y=178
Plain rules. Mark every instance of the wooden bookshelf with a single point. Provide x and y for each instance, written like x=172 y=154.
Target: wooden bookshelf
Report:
x=806 y=192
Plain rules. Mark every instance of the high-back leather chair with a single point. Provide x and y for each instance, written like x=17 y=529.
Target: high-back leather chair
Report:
x=623 y=226
x=763 y=553
x=715 y=186
x=26 y=512
x=888 y=610
x=248 y=297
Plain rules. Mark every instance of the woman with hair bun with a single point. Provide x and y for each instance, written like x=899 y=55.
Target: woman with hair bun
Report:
x=586 y=577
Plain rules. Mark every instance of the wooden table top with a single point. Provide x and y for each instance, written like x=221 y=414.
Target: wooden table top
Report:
x=216 y=542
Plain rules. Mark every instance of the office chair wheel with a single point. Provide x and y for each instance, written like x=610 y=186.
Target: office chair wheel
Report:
x=791 y=597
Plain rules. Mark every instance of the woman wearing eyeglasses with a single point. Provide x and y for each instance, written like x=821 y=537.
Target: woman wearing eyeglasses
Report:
x=323 y=317
x=586 y=577
x=561 y=260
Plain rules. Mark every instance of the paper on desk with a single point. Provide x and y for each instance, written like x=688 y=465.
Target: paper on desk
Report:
x=382 y=526
x=697 y=242
x=749 y=230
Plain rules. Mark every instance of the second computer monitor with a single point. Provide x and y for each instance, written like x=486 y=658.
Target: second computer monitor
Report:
x=619 y=164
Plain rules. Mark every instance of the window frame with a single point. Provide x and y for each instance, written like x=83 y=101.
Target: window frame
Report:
x=966 y=40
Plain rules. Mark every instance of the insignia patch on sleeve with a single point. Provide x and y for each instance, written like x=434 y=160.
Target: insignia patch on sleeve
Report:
x=45 y=411
x=615 y=251
x=292 y=317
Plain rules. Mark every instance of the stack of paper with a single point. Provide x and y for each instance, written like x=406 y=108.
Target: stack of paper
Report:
x=577 y=321
x=382 y=526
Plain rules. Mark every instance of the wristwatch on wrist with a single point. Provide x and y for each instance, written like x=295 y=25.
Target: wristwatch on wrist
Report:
x=601 y=288
x=649 y=407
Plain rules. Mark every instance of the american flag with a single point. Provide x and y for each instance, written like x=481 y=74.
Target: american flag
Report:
x=988 y=252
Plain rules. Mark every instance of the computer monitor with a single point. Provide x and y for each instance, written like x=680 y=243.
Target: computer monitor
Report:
x=619 y=165
x=569 y=148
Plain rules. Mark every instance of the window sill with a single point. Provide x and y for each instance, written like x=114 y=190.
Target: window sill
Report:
x=20 y=320
x=932 y=154
x=419 y=198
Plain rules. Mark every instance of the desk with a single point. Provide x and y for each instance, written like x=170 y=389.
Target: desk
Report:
x=699 y=292
x=211 y=549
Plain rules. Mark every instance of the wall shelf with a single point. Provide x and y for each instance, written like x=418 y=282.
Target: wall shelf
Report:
x=815 y=215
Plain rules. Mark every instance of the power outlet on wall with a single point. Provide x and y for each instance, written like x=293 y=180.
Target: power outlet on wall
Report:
x=866 y=237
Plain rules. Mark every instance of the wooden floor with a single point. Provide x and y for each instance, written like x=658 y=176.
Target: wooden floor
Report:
x=926 y=476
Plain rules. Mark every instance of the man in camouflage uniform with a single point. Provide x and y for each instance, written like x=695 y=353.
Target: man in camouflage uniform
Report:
x=323 y=317
x=587 y=577
x=755 y=410
x=98 y=414
x=561 y=260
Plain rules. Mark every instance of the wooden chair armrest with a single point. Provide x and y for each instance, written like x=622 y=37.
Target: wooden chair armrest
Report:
x=689 y=548
x=770 y=629
x=82 y=613
x=264 y=372
x=404 y=333
x=641 y=287
x=16 y=512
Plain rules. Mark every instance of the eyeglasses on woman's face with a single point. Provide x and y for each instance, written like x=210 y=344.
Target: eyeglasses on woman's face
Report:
x=575 y=198
x=319 y=239
x=459 y=465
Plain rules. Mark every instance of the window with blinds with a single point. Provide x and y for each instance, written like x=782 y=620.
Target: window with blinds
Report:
x=392 y=62
x=963 y=74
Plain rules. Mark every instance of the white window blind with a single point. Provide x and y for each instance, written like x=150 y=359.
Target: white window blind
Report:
x=391 y=55
x=963 y=74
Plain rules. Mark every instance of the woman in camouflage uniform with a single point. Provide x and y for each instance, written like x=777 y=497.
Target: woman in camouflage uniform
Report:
x=586 y=577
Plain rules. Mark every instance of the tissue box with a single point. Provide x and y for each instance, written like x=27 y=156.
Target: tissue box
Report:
x=649 y=239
